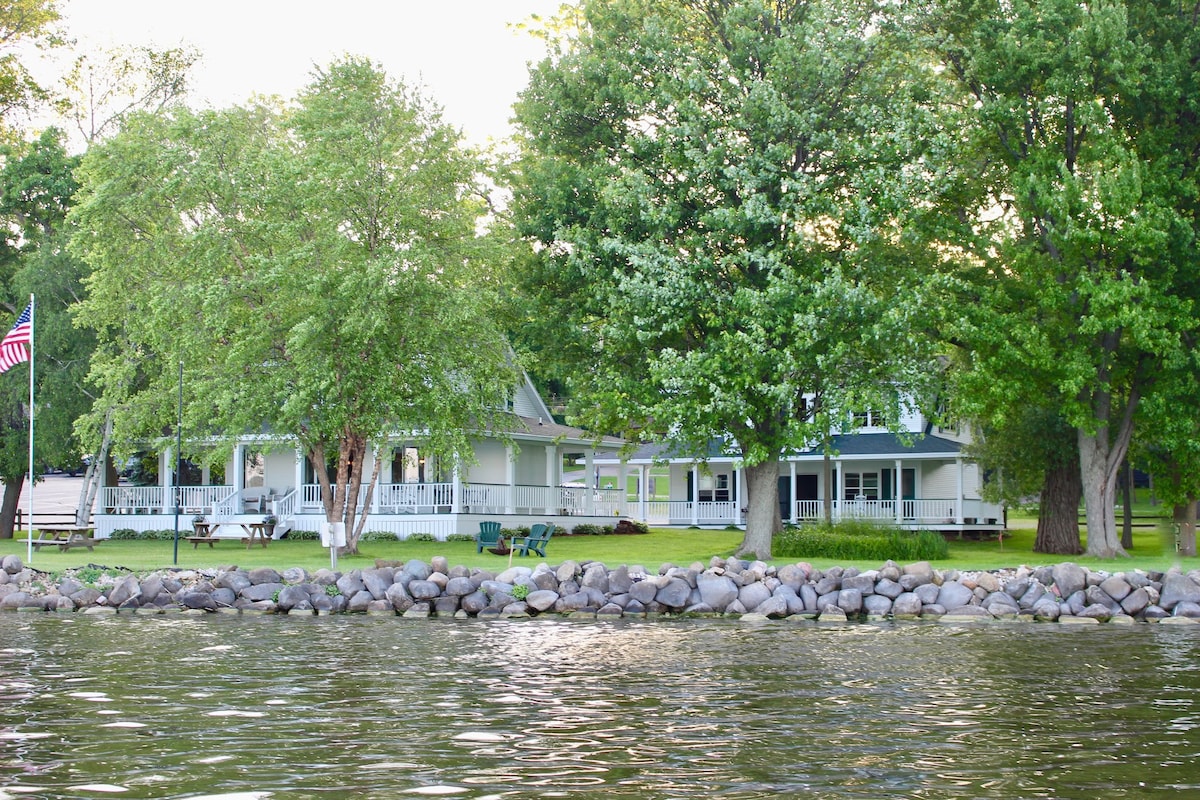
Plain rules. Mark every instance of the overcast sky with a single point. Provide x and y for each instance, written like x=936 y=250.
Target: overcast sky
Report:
x=464 y=52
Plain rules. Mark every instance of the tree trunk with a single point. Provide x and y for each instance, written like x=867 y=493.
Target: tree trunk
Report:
x=1058 y=520
x=762 y=510
x=8 y=508
x=1185 y=522
x=362 y=519
x=1099 y=474
x=92 y=479
x=352 y=453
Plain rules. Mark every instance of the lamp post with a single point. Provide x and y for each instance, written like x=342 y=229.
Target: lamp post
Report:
x=178 y=462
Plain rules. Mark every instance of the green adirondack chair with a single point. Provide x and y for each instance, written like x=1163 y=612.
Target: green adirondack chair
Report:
x=488 y=536
x=535 y=542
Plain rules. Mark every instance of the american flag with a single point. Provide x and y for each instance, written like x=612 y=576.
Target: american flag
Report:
x=13 y=349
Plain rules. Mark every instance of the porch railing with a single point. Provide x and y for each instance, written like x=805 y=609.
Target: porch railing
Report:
x=931 y=511
x=132 y=499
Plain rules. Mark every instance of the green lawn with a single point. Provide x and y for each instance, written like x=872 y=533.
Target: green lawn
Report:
x=676 y=546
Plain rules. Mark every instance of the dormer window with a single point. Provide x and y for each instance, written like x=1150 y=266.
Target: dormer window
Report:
x=869 y=419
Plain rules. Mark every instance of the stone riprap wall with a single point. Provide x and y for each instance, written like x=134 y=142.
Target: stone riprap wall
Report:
x=1063 y=593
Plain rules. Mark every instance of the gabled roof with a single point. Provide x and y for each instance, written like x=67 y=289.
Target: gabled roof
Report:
x=547 y=428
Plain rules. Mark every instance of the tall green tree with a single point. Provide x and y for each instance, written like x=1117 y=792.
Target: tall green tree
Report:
x=36 y=187
x=1079 y=135
x=22 y=23
x=316 y=268
x=715 y=189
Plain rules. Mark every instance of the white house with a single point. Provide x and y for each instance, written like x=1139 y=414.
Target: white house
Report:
x=938 y=488
x=544 y=472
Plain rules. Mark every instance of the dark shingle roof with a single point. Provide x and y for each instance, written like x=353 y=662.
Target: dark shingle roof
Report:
x=860 y=445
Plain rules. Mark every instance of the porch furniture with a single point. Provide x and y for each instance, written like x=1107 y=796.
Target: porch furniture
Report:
x=536 y=541
x=488 y=536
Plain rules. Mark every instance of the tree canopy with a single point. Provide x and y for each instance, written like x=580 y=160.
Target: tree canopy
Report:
x=1080 y=163
x=716 y=190
x=315 y=267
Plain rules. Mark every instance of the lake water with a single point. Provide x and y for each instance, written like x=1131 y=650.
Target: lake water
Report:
x=139 y=706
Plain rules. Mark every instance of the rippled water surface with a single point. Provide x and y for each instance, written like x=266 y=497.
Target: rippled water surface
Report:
x=257 y=707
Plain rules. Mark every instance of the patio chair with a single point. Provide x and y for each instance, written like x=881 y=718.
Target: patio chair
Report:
x=488 y=536
x=536 y=541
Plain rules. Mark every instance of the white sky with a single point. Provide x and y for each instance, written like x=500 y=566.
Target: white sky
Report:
x=464 y=53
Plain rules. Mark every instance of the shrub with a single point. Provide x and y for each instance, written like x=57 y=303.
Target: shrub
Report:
x=377 y=536
x=303 y=536
x=461 y=537
x=508 y=533
x=860 y=540
x=123 y=533
x=520 y=591
x=587 y=529
x=421 y=537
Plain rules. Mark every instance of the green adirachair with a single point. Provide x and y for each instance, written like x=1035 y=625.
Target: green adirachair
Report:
x=488 y=536
x=535 y=542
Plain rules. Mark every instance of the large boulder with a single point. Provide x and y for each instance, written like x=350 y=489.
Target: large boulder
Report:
x=675 y=594
x=877 y=605
x=1068 y=578
x=377 y=581
x=1177 y=588
x=952 y=595
x=128 y=588
x=752 y=595
x=716 y=591
x=261 y=591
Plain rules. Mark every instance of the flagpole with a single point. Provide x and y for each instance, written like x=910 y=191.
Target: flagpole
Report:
x=32 y=314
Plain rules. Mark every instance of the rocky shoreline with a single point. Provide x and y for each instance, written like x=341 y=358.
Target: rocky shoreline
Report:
x=1064 y=593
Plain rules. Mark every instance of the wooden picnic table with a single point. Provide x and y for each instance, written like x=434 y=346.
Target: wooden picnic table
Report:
x=64 y=537
x=206 y=533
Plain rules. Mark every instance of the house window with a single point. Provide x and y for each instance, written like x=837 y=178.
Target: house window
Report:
x=861 y=486
x=870 y=419
x=722 y=493
x=947 y=423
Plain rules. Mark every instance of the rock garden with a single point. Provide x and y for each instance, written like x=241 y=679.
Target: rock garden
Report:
x=1064 y=593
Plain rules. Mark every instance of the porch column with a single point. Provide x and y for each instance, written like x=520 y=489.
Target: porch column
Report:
x=898 y=492
x=643 y=490
x=735 y=493
x=239 y=476
x=838 y=480
x=792 y=492
x=589 y=501
x=622 y=487
x=456 y=489
x=510 y=479
x=695 y=494
x=958 y=502
x=166 y=467
x=299 y=477
x=551 y=477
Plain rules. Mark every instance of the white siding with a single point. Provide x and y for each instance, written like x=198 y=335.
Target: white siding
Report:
x=491 y=467
x=939 y=482
x=527 y=402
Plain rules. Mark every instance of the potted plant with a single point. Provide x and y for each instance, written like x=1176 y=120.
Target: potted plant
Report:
x=198 y=522
x=269 y=523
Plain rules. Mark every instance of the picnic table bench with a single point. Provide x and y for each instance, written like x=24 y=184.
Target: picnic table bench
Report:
x=206 y=533
x=64 y=537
